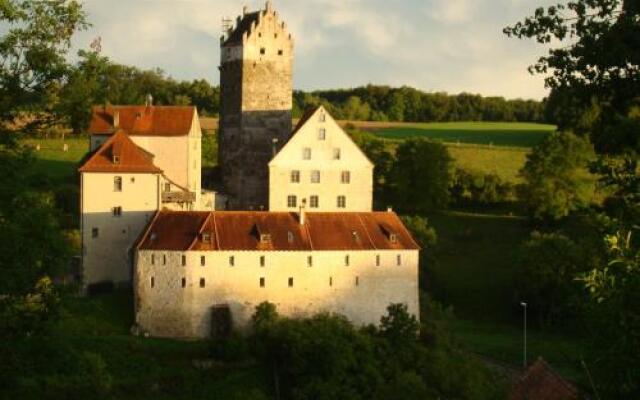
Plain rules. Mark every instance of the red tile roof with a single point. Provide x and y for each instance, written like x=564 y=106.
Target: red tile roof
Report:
x=540 y=382
x=130 y=158
x=182 y=231
x=143 y=120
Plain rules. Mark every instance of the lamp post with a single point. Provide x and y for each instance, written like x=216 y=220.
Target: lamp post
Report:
x=524 y=306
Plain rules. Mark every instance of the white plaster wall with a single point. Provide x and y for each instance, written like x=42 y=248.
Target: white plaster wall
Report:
x=171 y=155
x=107 y=257
x=194 y=160
x=359 y=193
x=168 y=310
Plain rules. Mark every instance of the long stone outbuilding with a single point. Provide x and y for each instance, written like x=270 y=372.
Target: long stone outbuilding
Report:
x=190 y=264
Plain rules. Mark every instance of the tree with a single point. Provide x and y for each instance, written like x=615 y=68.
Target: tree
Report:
x=557 y=181
x=594 y=71
x=33 y=63
x=420 y=176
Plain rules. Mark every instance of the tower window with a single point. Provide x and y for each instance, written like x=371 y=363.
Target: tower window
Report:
x=306 y=153
x=184 y=282
x=153 y=259
x=117 y=184
x=280 y=52
x=295 y=176
x=314 y=202
x=345 y=177
x=202 y=282
x=263 y=51
x=184 y=261
x=292 y=201
x=336 y=154
x=95 y=232
x=315 y=176
x=290 y=282
x=164 y=259
x=262 y=282
x=322 y=134
x=342 y=202
x=153 y=282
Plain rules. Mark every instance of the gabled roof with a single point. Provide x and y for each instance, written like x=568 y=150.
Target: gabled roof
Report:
x=120 y=154
x=143 y=120
x=182 y=231
x=540 y=382
x=305 y=117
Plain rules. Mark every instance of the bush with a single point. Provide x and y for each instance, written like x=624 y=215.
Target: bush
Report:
x=472 y=188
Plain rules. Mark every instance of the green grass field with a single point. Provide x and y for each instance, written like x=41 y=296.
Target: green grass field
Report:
x=483 y=133
x=56 y=163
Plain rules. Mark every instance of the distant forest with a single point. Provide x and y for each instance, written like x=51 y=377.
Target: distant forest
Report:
x=97 y=80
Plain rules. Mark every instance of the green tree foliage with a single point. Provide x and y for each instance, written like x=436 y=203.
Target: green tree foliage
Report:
x=33 y=48
x=382 y=158
x=594 y=71
x=556 y=177
x=420 y=176
x=472 y=188
x=383 y=103
x=614 y=316
x=548 y=264
x=325 y=357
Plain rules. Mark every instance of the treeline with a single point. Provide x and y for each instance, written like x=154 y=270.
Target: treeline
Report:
x=384 y=103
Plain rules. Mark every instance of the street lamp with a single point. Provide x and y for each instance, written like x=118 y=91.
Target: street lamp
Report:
x=524 y=306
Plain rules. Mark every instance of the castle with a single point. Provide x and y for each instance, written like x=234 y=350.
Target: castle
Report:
x=295 y=225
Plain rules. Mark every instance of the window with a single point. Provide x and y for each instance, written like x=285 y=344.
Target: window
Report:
x=262 y=282
x=206 y=237
x=203 y=261
x=153 y=259
x=315 y=176
x=232 y=261
x=280 y=52
x=290 y=282
x=346 y=260
x=342 y=202
x=167 y=187
x=336 y=154
x=345 y=177
x=290 y=237
x=117 y=184
x=377 y=260
x=116 y=159
x=133 y=179
x=314 y=202
x=393 y=238
x=164 y=259
x=322 y=117
x=330 y=281
x=153 y=282
x=357 y=281
x=117 y=211
x=399 y=259
x=184 y=261
x=295 y=176
x=322 y=134
x=292 y=201
x=262 y=261
x=263 y=51
x=202 y=282
x=95 y=232
x=310 y=261
x=265 y=238
x=184 y=282
x=306 y=153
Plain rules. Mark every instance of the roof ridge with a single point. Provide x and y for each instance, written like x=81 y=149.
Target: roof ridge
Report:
x=366 y=231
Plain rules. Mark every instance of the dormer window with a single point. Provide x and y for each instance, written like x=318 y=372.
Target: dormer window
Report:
x=290 y=237
x=206 y=237
x=116 y=159
x=355 y=236
x=265 y=238
x=393 y=238
x=389 y=233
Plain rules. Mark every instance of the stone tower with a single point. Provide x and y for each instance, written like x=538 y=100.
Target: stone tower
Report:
x=256 y=102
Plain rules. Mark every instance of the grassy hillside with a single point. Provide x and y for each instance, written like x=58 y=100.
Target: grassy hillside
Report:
x=485 y=133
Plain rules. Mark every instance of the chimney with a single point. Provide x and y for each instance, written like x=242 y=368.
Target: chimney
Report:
x=149 y=101
x=274 y=143
x=116 y=119
x=245 y=10
x=389 y=209
x=303 y=215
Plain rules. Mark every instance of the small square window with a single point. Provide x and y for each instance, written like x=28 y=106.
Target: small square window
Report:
x=206 y=237
x=393 y=238
x=203 y=261
x=322 y=134
x=116 y=159
x=315 y=176
x=184 y=261
x=342 y=202
x=263 y=51
x=262 y=261
x=133 y=179
x=202 y=282
x=95 y=232
x=292 y=201
x=167 y=187
x=345 y=177
x=117 y=184
x=290 y=282
x=336 y=154
x=314 y=202
x=280 y=52
x=262 y=282
x=265 y=238
x=295 y=176
x=232 y=261
x=306 y=153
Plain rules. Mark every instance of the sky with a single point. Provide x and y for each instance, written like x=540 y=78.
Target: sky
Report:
x=434 y=45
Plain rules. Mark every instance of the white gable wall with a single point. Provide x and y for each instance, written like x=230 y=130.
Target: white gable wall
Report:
x=358 y=193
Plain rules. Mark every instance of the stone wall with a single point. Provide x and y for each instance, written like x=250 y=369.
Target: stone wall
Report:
x=361 y=290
